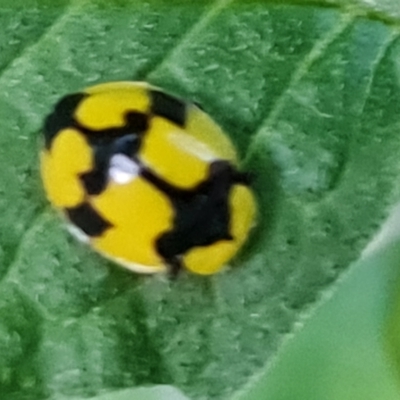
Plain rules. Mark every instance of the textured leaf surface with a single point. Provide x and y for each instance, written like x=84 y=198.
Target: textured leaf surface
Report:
x=311 y=97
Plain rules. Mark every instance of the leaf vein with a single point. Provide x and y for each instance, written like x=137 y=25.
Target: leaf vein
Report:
x=317 y=51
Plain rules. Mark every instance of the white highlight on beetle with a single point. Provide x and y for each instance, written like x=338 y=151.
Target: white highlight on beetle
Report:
x=192 y=146
x=123 y=169
x=78 y=233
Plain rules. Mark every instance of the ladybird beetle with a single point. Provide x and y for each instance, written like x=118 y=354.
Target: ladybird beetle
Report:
x=147 y=179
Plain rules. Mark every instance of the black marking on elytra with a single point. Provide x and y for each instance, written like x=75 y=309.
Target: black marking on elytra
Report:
x=202 y=214
x=243 y=178
x=107 y=142
x=95 y=181
x=169 y=107
x=128 y=145
x=62 y=116
x=88 y=220
x=136 y=124
x=170 y=190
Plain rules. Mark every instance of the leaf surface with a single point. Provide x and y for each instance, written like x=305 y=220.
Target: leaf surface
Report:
x=310 y=96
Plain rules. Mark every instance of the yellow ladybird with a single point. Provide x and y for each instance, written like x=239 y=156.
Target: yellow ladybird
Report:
x=148 y=180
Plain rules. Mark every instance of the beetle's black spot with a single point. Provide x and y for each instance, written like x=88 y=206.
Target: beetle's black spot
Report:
x=171 y=191
x=128 y=145
x=95 y=181
x=87 y=219
x=202 y=215
x=169 y=107
x=137 y=122
x=62 y=117
x=107 y=142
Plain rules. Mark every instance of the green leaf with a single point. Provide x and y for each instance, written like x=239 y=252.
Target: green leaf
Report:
x=159 y=392
x=340 y=353
x=309 y=94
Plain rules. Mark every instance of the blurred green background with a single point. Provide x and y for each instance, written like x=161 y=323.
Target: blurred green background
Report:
x=348 y=348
